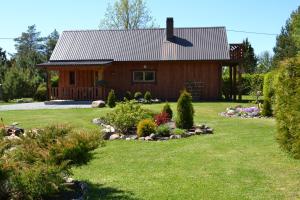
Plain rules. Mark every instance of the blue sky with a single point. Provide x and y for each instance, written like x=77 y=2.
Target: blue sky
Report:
x=266 y=16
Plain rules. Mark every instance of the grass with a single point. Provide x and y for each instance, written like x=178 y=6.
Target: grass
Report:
x=241 y=160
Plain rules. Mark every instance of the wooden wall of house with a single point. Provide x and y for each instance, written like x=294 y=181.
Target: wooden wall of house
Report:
x=171 y=78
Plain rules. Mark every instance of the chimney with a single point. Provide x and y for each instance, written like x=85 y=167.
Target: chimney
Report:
x=170 y=27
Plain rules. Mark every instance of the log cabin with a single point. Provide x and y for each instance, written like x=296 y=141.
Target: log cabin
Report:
x=163 y=61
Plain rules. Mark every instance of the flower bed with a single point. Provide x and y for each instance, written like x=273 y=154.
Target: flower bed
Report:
x=239 y=111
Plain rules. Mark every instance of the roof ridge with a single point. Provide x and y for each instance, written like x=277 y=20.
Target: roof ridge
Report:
x=92 y=30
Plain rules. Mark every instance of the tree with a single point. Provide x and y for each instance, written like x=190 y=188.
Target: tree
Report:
x=111 y=99
x=127 y=14
x=249 y=61
x=264 y=63
x=51 y=41
x=288 y=41
x=287 y=106
x=3 y=61
x=30 y=48
x=185 y=111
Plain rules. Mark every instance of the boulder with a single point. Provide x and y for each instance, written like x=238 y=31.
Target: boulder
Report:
x=134 y=137
x=106 y=135
x=199 y=131
x=114 y=137
x=209 y=130
x=128 y=138
x=175 y=136
x=152 y=135
x=141 y=138
x=122 y=137
x=98 y=104
x=12 y=137
x=148 y=138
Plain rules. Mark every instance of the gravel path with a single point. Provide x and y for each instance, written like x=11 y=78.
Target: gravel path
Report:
x=48 y=105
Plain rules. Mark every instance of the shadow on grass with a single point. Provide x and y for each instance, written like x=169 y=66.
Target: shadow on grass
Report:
x=99 y=191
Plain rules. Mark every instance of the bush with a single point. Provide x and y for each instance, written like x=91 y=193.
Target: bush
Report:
x=161 y=118
x=126 y=116
x=268 y=94
x=54 y=80
x=19 y=83
x=178 y=131
x=138 y=95
x=163 y=130
x=41 y=93
x=145 y=127
x=287 y=106
x=38 y=163
x=185 y=111
x=147 y=97
x=111 y=99
x=167 y=109
x=128 y=96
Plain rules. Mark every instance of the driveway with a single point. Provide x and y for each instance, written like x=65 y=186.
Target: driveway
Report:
x=46 y=105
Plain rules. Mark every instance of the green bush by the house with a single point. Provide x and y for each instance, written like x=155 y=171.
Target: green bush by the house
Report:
x=111 y=99
x=146 y=127
x=185 y=111
x=128 y=96
x=126 y=116
x=138 y=95
x=167 y=109
x=147 y=97
x=268 y=95
x=163 y=130
x=35 y=165
x=41 y=92
x=287 y=106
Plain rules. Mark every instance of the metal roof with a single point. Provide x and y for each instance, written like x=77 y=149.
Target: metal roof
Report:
x=207 y=43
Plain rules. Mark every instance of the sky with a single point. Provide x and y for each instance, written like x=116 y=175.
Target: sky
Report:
x=262 y=16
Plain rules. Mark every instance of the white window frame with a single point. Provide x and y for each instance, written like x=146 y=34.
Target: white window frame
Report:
x=144 y=76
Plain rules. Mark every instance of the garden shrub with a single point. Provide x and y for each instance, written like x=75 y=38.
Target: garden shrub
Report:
x=163 y=130
x=138 y=95
x=126 y=116
x=146 y=127
x=128 y=96
x=268 y=94
x=161 y=118
x=178 y=131
x=185 y=111
x=32 y=170
x=41 y=92
x=287 y=106
x=148 y=97
x=111 y=99
x=167 y=109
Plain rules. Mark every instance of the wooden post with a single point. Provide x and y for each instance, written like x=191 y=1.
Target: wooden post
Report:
x=230 y=82
x=239 y=82
x=234 y=82
x=49 y=84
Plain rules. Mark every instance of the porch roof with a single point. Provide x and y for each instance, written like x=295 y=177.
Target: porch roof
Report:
x=75 y=63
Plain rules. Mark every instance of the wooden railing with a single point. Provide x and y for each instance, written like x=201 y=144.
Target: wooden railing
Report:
x=236 y=52
x=77 y=93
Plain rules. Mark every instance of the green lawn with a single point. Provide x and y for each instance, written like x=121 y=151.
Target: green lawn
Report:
x=241 y=160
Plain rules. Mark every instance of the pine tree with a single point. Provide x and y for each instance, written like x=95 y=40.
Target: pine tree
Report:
x=185 y=111
x=111 y=99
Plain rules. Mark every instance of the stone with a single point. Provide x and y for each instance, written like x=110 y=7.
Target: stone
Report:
x=12 y=137
x=69 y=180
x=141 y=138
x=114 y=137
x=198 y=131
x=148 y=138
x=175 y=136
x=109 y=128
x=97 y=121
x=152 y=135
x=134 y=137
x=98 y=104
x=162 y=138
x=106 y=135
x=128 y=139
x=122 y=137
x=209 y=130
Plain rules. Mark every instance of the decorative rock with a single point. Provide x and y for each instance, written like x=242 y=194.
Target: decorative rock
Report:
x=141 y=138
x=148 y=138
x=69 y=180
x=199 y=131
x=12 y=137
x=114 y=137
x=152 y=135
x=106 y=135
x=209 y=130
x=175 y=136
x=122 y=137
x=128 y=138
x=98 y=104
x=134 y=137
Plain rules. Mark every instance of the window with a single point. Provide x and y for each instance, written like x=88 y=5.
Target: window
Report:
x=72 y=78
x=144 y=76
